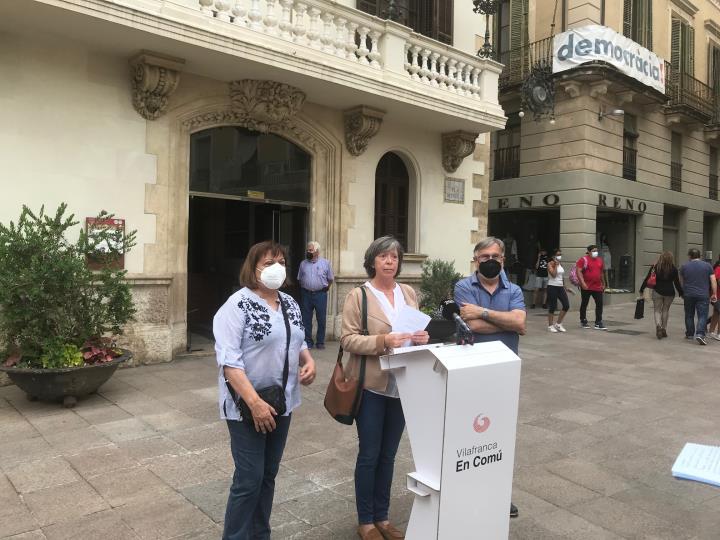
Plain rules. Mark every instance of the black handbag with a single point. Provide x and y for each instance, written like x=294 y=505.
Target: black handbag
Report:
x=272 y=395
x=640 y=308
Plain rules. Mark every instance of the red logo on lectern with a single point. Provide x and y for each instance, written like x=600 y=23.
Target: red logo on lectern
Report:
x=481 y=423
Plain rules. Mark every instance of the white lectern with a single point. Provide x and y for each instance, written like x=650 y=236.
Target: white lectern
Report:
x=461 y=406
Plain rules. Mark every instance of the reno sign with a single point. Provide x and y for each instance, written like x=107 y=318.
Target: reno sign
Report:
x=595 y=43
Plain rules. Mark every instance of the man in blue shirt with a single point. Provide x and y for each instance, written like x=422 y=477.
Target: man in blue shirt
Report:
x=699 y=285
x=315 y=277
x=493 y=308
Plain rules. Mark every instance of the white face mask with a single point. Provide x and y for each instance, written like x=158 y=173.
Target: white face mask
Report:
x=273 y=276
x=558 y=257
x=594 y=254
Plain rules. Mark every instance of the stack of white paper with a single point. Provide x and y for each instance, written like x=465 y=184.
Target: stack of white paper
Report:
x=698 y=462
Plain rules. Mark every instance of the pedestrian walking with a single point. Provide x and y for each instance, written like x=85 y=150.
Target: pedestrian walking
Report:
x=556 y=291
x=698 y=282
x=490 y=304
x=541 y=279
x=714 y=329
x=663 y=279
x=380 y=420
x=315 y=276
x=262 y=359
x=589 y=269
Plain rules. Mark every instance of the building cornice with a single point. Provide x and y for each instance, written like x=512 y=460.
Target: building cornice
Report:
x=687 y=6
x=712 y=28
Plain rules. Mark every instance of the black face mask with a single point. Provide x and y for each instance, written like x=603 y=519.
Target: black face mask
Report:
x=490 y=269
x=308 y=255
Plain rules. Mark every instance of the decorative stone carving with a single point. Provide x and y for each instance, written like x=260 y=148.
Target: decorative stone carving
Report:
x=598 y=89
x=264 y=105
x=456 y=146
x=572 y=88
x=154 y=79
x=361 y=124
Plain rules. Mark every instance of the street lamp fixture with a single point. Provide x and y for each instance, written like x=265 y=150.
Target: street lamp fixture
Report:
x=487 y=8
x=602 y=113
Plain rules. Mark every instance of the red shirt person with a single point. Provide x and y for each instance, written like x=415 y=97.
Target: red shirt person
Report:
x=592 y=285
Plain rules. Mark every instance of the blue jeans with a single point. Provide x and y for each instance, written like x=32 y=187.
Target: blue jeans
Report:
x=309 y=301
x=257 y=461
x=693 y=305
x=380 y=423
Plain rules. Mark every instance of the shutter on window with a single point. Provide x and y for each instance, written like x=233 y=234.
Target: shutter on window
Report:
x=649 y=26
x=715 y=73
x=444 y=18
x=690 y=50
x=675 y=45
x=627 y=18
x=369 y=6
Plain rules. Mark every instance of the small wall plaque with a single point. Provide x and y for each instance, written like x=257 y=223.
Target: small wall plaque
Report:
x=455 y=190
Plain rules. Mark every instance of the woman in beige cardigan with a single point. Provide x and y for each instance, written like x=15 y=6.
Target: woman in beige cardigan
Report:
x=380 y=421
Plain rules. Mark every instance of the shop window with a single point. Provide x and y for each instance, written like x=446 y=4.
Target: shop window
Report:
x=630 y=137
x=616 y=243
x=431 y=18
x=713 y=174
x=637 y=21
x=506 y=156
x=392 y=198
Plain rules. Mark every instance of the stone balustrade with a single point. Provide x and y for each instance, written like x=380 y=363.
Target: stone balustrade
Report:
x=352 y=35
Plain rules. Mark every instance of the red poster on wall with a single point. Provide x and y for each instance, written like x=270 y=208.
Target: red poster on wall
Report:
x=95 y=262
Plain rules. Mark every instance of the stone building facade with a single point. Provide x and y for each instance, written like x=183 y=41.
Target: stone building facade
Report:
x=209 y=125
x=620 y=164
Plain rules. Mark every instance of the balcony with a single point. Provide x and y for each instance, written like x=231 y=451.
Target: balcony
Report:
x=629 y=163
x=517 y=62
x=689 y=100
x=713 y=183
x=506 y=163
x=337 y=55
x=676 y=176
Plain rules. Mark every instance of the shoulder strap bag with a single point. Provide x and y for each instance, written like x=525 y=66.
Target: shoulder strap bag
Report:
x=272 y=395
x=342 y=397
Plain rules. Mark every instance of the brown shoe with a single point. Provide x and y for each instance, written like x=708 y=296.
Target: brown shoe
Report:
x=370 y=534
x=664 y=332
x=658 y=332
x=389 y=532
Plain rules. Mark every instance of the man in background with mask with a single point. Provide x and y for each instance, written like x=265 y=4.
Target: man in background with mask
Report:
x=315 y=277
x=492 y=306
x=589 y=269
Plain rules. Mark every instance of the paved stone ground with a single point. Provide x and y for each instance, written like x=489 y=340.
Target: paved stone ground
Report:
x=602 y=417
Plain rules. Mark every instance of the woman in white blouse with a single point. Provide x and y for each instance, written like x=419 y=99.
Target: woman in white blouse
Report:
x=380 y=421
x=251 y=341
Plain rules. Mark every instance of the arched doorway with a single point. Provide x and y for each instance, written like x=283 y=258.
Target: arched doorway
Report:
x=245 y=187
x=392 y=198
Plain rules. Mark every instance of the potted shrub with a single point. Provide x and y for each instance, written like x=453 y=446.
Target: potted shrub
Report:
x=62 y=304
x=436 y=286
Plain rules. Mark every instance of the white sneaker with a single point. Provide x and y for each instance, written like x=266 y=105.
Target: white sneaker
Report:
x=560 y=328
x=715 y=336
x=552 y=328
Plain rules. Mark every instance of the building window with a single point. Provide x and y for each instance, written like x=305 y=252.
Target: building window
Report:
x=713 y=176
x=630 y=136
x=392 y=198
x=637 y=21
x=682 y=47
x=714 y=78
x=506 y=157
x=431 y=18
x=511 y=31
x=676 y=162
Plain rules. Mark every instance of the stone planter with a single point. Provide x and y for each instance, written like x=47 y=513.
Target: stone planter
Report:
x=64 y=384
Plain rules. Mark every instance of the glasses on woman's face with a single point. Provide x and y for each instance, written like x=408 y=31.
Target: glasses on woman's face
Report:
x=487 y=256
x=267 y=263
